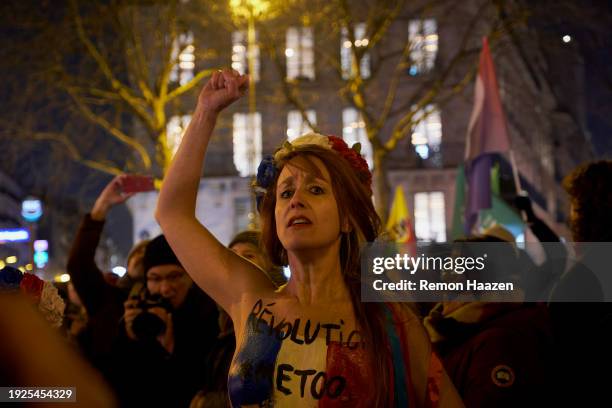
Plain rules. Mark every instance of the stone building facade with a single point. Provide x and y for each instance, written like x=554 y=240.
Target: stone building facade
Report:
x=546 y=142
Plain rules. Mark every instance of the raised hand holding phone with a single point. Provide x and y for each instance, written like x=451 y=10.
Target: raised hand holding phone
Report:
x=118 y=191
x=134 y=183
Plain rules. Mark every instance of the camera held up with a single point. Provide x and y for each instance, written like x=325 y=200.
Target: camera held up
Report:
x=147 y=325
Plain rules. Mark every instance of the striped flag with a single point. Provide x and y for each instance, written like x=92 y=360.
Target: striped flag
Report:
x=487 y=133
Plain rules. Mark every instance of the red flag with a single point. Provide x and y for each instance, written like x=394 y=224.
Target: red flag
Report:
x=487 y=131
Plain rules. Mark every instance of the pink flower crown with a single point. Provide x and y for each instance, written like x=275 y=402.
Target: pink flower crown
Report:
x=267 y=170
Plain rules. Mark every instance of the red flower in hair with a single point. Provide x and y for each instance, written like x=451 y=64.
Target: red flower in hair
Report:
x=32 y=286
x=355 y=159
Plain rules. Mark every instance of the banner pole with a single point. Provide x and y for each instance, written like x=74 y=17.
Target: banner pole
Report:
x=517 y=180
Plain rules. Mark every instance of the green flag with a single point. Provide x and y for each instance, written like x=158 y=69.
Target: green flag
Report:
x=459 y=209
x=500 y=212
x=495 y=187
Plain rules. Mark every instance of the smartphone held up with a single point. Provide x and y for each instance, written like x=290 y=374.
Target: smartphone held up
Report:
x=134 y=183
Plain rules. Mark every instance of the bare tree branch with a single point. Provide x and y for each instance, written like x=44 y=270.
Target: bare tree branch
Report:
x=70 y=149
x=393 y=86
x=123 y=91
x=189 y=85
x=141 y=72
x=167 y=60
x=114 y=131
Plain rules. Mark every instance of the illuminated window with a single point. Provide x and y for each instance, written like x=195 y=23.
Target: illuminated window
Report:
x=240 y=56
x=427 y=134
x=174 y=131
x=346 y=54
x=423 y=37
x=300 y=53
x=183 y=52
x=296 y=126
x=354 y=131
x=429 y=216
x=247 y=142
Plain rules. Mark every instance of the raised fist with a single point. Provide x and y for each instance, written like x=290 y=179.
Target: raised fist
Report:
x=222 y=89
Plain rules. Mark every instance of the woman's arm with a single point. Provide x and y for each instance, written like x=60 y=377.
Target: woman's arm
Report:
x=218 y=271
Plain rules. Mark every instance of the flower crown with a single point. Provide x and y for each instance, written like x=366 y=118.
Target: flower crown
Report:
x=42 y=293
x=268 y=170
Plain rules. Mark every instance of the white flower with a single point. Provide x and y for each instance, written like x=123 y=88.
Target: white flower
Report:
x=307 y=139
x=51 y=305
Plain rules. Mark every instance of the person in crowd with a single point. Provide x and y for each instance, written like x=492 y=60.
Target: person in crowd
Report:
x=590 y=190
x=581 y=314
x=169 y=327
x=247 y=244
x=102 y=300
x=538 y=280
x=134 y=272
x=496 y=353
x=75 y=321
x=313 y=342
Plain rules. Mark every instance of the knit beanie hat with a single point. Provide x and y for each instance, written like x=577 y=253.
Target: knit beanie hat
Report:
x=158 y=252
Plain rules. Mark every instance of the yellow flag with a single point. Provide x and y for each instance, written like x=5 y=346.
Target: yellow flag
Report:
x=399 y=224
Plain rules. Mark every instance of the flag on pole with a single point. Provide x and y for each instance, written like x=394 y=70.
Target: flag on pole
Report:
x=500 y=212
x=487 y=133
x=503 y=214
x=399 y=224
x=459 y=208
x=487 y=130
x=478 y=174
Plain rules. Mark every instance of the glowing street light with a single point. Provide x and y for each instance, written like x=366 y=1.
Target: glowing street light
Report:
x=63 y=278
x=567 y=38
x=251 y=10
x=119 y=271
x=31 y=209
x=14 y=235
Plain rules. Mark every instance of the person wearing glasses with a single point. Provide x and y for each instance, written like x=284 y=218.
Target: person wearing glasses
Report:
x=168 y=329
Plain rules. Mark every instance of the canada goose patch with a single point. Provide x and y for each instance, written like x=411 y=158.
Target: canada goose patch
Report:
x=502 y=376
